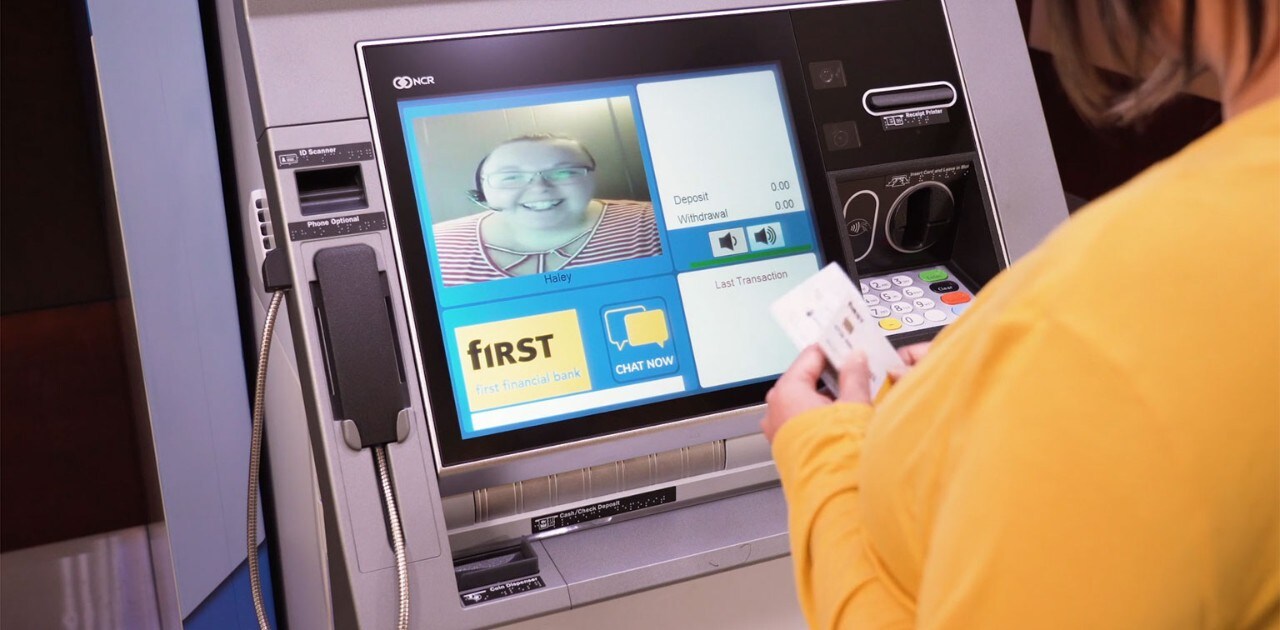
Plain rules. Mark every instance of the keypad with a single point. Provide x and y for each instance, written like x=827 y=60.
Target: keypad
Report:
x=919 y=299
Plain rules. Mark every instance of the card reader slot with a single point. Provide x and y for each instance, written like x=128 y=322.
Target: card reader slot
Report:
x=350 y=294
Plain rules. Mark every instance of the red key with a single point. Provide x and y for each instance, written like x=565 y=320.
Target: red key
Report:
x=958 y=297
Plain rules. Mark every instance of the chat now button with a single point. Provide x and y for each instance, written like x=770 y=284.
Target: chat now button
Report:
x=640 y=345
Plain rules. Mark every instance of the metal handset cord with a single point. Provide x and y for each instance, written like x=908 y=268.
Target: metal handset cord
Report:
x=255 y=465
x=255 y=461
x=397 y=535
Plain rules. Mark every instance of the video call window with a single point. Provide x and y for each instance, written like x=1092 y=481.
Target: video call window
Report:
x=599 y=246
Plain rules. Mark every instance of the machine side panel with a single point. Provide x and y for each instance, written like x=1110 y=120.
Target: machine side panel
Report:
x=155 y=102
x=296 y=507
x=1008 y=121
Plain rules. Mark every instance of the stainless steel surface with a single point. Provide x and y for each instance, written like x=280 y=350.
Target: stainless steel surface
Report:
x=159 y=132
x=101 y=582
x=757 y=597
x=105 y=582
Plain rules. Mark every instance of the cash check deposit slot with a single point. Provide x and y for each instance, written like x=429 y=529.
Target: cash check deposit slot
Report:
x=570 y=237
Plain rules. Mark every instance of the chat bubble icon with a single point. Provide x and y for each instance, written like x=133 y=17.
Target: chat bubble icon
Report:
x=615 y=326
x=646 y=327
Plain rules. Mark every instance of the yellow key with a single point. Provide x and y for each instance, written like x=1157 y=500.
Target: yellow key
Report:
x=890 y=323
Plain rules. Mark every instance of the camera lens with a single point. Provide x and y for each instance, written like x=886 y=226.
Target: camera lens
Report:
x=840 y=136
x=826 y=75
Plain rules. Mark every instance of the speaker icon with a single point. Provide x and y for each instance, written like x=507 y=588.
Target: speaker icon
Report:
x=728 y=242
x=766 y=236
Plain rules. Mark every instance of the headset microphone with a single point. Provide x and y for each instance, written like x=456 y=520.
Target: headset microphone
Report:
x=477 y=198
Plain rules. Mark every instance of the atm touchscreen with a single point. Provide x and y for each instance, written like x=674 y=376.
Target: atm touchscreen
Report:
x=587 y=256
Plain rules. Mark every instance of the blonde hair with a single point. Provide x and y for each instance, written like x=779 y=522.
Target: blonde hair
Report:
x=1102 y=99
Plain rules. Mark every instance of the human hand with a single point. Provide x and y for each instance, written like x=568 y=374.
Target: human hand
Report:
x=797 y=389
x=911 y=355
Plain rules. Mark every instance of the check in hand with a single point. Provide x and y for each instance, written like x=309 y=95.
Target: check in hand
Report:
x=797 y=389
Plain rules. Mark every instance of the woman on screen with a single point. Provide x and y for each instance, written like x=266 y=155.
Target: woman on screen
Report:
x=541 y=216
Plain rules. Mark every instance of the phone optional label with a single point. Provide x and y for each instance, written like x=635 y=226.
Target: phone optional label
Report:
x=602 y=510
x=337 y=226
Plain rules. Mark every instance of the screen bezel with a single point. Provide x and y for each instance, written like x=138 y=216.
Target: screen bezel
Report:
x=759 y=37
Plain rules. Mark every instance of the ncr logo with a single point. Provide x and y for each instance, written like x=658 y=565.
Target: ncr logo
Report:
x=406 y=82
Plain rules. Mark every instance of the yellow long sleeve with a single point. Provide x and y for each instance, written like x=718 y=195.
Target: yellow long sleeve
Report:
x=836 y=575
x=1095 y=444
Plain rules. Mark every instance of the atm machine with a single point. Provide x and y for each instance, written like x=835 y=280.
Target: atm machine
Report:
x=528 y=250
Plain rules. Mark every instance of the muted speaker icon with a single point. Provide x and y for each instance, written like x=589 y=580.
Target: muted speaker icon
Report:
x=730 y=242
x=766 y=235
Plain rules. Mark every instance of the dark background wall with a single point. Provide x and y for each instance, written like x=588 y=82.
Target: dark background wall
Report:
x=69 y=458
x=68 y=451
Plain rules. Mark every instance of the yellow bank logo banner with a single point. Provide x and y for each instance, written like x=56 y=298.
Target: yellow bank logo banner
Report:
x=521 y=360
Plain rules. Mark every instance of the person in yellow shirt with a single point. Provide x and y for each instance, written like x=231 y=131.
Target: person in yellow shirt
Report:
x=1096 y=442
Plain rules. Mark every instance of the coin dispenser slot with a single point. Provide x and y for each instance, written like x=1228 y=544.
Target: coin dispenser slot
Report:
x=495 y=566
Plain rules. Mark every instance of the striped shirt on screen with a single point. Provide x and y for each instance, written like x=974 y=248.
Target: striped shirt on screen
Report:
x=627 y=230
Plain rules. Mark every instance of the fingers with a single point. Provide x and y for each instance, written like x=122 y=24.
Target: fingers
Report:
x=912 y=354
x=795 y=392
x=855 y=380
x=805 y=370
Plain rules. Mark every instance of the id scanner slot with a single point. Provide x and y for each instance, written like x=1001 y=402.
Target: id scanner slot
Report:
x=336 y=189
x=359 y=340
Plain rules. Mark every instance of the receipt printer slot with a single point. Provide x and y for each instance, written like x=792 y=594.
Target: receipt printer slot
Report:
x=909 y=97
